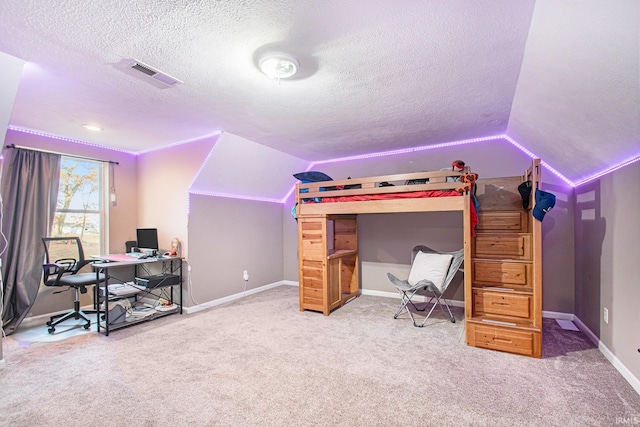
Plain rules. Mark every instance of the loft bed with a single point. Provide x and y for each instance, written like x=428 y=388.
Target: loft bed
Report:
x=326 y=212
x=502 y=246
x=410 y=192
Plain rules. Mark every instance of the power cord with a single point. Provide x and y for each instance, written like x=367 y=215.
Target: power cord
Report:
x=189 y=285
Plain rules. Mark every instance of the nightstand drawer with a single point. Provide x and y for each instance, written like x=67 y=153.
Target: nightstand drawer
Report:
x=496 y=221
x=501 y=303
x=505 y=339
x=502 y=273
x=514 y=246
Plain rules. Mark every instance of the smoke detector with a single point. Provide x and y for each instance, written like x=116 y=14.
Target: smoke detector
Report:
x=153 y=73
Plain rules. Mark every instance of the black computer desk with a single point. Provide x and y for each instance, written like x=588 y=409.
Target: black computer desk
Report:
x=171 y=277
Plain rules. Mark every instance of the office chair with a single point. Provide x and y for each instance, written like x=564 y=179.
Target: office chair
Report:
x=64 y=259
x=432 y=272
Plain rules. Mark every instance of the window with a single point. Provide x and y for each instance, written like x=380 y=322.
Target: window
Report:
x=82 y=209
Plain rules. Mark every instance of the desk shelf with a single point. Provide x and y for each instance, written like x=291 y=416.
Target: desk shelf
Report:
x=152 y=287
x=130 y=321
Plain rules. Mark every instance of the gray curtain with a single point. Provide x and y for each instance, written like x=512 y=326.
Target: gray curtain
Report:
x=29 y=190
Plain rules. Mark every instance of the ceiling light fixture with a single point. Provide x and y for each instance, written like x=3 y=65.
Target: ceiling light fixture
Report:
x=278 y=65
x=93 y=128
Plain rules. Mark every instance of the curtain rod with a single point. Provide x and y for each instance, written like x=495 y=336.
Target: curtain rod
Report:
x=62 y=154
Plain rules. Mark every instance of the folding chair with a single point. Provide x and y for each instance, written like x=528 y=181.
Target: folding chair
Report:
x=432 y=272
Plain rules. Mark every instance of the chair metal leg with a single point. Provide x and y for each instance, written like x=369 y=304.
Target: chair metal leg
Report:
x=77 y=314
x=438 y=302
x=406 y=300
x=453 y=319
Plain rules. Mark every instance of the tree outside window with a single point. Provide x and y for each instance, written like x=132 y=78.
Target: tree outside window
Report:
x=80 y=210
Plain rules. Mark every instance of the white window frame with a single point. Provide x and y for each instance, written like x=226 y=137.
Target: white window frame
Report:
x=103 y=201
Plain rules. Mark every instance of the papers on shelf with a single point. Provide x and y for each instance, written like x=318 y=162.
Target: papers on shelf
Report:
x=141 y=312
x=120 y=289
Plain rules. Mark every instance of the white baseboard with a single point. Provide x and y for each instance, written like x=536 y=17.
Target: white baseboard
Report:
x=3 y=364
x=199 y=307
x=557 y=315
x=594 y=339
x=620 y=367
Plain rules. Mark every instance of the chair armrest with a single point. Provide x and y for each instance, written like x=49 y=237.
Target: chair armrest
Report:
x=53 y=269
x=69 y=264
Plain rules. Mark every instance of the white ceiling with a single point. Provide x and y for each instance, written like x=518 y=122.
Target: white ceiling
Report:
x=561 y=78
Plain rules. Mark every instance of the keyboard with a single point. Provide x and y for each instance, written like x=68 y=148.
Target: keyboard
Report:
x=137 y=255
x=123 y=289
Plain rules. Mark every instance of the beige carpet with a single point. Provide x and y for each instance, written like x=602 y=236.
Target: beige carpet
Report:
x=259 y=361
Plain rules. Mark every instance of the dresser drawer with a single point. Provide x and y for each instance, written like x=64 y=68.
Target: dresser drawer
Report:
x=516 y=274
x=514 y=246
x=506 y=339
x=496 y=221
x=501 y=303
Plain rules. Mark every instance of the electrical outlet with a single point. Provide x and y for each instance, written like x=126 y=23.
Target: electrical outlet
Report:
x=605 y=314
x=245 y=275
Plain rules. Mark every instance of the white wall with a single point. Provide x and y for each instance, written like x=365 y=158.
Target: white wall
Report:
x=164 y=179
x=242 y=168
x=226 y=237
x=607 y=255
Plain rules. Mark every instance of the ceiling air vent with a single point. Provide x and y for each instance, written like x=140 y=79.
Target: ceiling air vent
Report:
x=154 y=74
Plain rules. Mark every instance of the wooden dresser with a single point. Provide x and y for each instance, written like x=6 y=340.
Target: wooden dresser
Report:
x=328 y=261
x=504 y=302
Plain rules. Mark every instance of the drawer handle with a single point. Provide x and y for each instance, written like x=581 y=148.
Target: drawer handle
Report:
x=499 y=303
x=502 y=339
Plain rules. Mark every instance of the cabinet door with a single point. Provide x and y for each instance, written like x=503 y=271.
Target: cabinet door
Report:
x=334 y=284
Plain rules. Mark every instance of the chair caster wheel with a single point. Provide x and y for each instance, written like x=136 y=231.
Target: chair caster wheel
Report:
x=453 y=320
x=49 y=323
x=51 y=330
x=87 y=326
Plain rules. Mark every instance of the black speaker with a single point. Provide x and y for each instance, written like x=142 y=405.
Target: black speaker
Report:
x=130 y=245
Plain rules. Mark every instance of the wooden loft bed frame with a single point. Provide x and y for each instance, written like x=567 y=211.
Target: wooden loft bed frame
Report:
x=327 y=231
x=328 y=248
x=375 y=186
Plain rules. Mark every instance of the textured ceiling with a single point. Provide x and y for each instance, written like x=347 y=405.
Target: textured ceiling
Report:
x=375 y=74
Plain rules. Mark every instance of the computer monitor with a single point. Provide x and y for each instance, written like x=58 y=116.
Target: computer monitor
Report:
x=147 y=238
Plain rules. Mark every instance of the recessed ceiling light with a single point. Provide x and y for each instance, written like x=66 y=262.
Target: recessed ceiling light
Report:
x=93 y=128
x=278 y=65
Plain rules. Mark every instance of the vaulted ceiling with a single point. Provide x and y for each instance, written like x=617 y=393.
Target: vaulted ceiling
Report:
x=560 y=78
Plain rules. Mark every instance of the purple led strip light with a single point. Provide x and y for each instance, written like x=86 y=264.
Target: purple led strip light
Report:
x=607 y=171
x=341 y=159
x=104 y=147
x=184 y=141
x=48 y=135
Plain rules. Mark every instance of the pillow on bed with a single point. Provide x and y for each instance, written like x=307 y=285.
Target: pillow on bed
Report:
x=312 y=176
x=430 y=266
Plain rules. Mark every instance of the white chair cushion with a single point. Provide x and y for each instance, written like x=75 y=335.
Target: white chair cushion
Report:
x=430 y=266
